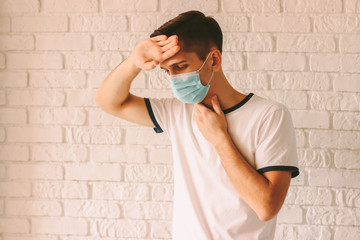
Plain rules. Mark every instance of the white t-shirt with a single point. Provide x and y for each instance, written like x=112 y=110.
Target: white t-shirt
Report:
x=206 y=205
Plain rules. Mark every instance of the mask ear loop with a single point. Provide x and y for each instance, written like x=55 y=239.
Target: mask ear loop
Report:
x=204 y=62
x=211 y=78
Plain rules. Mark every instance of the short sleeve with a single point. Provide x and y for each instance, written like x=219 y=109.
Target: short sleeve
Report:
x=159 y=112
x=276 y=143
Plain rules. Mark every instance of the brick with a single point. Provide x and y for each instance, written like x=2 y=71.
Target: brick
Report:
x=36 y=97
x=158 y=80
x=98 y=23
x=334 y=139
x=276 y=61
x=279 y=23
x=15 y=189
x=143 y=22
x=109 y=172
x=30 y=238
x=97 y=117
x=347 y=159
x=19 y=207
x=19 y=6
x=117 y=42
x=59 y=153
x=81 y=98
x=300 y=138
x=2 y=134
x=252 y=6
x=314 y=157
x=161 y=229
x=34 y=171
x=314 y=196
x=39 y=24
x=92 y=135
x=233 y=23
x=2 y=207
x=61 y=116
x=334 y=178
x=347 y=232
x=11 y=115
x=4 y=24
x=148 y=173
x=14 y=152
x=346 y=120
x=290 y=214
x=93 y=60
x=61 y=226
x=145 y=135
x=347 y=83
x=60 y=79
x=96 y=78
x=335 y=63
x=320 y=215
x=287 y=231
x=347 y=198
x=248 y=42
x=182 y=6
x=300 y=81
x=67 y=42
x=34 y=134
x=348 y=216
x=148 y=210
x=335 y=101
x=66 y=6
x=13 y=79
x=307 y=119
x=313 y=6
x=14 y=225
x=16 y=42
x=248 y=81
x=126 y=6
x=291 y=99
x=93 y=209
x=120 y=228
x=121 y=191
x=232 y=61
x=54 y=189
x=161 y=155
x=162 y=192
x=330 y=23
x=34 y=61
x=351 y=6
x=2 y=60
x=305 y=43
x=116 y=154
x=349 y=44
x=2 y=171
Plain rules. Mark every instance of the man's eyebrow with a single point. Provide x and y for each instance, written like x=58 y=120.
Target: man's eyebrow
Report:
x=172 y=65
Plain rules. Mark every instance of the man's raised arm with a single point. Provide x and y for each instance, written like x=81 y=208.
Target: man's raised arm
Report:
x=113 y=95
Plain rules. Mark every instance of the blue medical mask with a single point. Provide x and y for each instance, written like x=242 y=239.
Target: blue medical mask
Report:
x=188 y=88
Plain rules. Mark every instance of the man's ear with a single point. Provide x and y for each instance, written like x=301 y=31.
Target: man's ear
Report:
x=216 y=60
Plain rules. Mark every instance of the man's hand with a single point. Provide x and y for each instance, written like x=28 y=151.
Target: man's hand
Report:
x=212 y=124
x=148 y=53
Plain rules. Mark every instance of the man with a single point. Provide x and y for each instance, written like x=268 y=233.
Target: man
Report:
x=234 y=154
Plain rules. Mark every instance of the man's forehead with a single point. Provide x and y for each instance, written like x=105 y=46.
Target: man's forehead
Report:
x=178 y=58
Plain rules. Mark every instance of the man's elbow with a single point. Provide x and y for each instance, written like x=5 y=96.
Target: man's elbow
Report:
x=268 y=213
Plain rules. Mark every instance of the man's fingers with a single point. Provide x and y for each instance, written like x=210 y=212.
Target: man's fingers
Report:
x=216 y=105
x=169 y=45
x=168 y=40
x=171 y=52
x=159 y=38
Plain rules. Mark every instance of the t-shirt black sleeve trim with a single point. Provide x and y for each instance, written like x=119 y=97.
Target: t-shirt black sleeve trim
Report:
x=294 y=170
x=157 y=128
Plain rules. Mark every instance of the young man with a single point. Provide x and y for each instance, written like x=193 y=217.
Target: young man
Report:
x=234 y=154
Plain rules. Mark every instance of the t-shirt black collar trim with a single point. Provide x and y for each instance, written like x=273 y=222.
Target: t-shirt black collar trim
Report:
x=247 y=98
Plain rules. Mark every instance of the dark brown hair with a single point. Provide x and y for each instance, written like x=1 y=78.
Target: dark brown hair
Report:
x=196 y=32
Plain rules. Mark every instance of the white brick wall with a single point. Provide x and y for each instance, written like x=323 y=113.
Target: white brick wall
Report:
x=70 y=171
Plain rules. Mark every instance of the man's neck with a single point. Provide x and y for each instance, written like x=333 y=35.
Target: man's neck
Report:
x=227 y=95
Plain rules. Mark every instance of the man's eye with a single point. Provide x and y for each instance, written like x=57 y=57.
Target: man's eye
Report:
x=181 y=68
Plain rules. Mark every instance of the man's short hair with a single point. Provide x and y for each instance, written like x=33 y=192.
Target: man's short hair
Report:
x=196 y=32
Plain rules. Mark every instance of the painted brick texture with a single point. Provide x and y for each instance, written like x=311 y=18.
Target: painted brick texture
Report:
x=72 y=172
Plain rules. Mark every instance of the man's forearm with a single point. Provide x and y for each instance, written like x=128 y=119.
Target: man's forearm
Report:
x=114 y=90
x=256 y=190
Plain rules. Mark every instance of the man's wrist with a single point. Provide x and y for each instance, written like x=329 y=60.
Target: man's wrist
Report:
x=223 y=140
